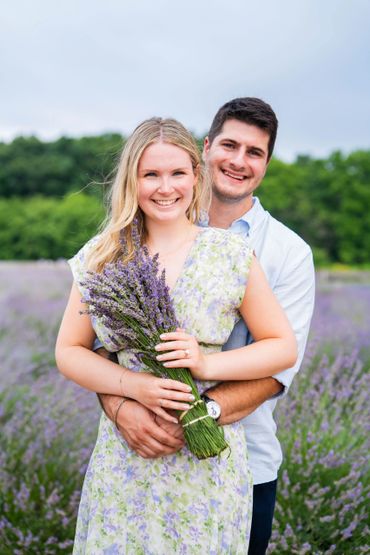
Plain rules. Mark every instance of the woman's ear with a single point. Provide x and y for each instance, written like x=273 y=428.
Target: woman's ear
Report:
x=205 y=150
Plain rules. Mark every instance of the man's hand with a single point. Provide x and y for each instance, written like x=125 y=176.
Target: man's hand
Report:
x=174 y=429
x=147 y=434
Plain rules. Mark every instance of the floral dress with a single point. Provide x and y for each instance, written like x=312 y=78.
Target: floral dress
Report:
x=176 y=504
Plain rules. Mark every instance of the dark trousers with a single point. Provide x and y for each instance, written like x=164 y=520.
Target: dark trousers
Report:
x=264 y=496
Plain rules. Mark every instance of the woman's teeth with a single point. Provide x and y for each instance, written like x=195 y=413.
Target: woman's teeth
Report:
x=165 y=202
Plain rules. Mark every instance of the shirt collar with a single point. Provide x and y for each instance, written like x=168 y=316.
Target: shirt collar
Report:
x=247 y=221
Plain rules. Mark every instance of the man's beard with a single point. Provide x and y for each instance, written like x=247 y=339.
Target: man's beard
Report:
x=228 y=198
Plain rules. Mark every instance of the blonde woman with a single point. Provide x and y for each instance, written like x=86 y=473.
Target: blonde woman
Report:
x=175 y=504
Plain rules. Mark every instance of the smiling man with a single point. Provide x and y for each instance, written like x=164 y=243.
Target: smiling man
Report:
x=236 y=153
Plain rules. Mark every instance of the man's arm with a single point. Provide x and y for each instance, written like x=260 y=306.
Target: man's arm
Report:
x=295 y=292
x=239 y=399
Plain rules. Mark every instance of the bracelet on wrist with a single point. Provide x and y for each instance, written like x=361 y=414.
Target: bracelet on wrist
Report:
x=117 y=411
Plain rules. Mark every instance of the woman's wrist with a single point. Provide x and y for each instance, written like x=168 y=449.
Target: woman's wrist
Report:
x=205 y=371
x=122 y=383
x=126 y=384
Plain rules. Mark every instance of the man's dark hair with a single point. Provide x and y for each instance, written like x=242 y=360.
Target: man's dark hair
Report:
x=250 y=110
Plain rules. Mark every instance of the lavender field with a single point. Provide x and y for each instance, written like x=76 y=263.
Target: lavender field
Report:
x=48 y=424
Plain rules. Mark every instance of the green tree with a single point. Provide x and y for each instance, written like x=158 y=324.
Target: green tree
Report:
x=46 y=227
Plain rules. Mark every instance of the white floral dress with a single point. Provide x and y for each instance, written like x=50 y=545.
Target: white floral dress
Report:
x=176 y=504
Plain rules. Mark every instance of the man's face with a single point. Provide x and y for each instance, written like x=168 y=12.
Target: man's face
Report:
x=237 y=161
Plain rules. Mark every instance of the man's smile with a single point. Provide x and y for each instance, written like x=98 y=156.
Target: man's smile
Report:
x=233 y=175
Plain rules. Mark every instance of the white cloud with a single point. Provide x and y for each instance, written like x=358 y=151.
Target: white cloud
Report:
x=87 y=67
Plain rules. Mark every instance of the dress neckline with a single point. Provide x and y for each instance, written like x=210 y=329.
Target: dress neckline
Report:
x=188 y=259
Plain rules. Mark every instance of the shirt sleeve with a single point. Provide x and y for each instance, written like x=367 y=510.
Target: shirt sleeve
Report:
x=97 y=344
x=295 y=292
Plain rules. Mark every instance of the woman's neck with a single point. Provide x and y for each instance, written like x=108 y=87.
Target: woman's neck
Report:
x=165 y=236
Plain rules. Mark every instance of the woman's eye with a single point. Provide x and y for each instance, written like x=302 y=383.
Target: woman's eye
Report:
x=150 y=174
x=179 y=173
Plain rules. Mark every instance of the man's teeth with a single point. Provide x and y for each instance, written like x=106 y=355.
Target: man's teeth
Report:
x=239 y=177
x=165 y=202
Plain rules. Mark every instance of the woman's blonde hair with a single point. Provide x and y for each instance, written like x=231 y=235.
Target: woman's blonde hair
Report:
x=123 y=203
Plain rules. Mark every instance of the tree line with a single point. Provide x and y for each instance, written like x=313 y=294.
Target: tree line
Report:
x=51 y=197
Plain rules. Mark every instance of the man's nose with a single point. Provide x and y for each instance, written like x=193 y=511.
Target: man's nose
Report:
x=238 y=159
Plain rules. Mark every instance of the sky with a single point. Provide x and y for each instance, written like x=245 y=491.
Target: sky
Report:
x=82 y=67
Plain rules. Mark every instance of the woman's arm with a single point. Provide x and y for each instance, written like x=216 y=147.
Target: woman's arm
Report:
x=78 y=363
x=275 y=347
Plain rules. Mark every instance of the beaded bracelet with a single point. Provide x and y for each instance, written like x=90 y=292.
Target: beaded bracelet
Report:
x=117 y=411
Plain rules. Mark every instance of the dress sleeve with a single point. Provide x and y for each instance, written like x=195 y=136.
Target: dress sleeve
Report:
x=78 y=263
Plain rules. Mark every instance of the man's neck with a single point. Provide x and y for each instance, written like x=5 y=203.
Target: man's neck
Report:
x=223 y=214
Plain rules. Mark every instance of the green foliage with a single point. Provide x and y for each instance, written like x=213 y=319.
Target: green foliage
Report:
x=47 y=227
x=29 y=166
x=324 y=201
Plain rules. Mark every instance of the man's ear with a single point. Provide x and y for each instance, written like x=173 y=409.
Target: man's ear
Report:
x=206 y=146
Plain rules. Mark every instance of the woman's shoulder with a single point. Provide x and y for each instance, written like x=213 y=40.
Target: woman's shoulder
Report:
x=227 y=258
x=87 y=247
x=225 y=240
x=78 y=261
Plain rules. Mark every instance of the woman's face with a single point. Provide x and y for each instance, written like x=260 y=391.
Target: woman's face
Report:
x=165 y=182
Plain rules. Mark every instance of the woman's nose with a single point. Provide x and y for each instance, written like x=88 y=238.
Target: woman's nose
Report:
x=165 y=186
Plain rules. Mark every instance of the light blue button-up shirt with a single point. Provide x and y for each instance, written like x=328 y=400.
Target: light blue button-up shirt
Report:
x=287 y=262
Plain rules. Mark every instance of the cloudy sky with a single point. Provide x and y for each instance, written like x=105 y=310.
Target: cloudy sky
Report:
x=92 y=66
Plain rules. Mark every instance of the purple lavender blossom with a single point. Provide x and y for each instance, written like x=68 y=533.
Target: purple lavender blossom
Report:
x=132 y=300
x=323 y=427
x=48 y=425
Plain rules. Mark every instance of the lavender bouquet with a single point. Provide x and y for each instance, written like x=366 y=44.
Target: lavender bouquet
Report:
x=132 y=300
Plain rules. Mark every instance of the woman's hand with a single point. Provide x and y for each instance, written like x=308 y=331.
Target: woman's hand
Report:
x=157 y=394
x=182 y=351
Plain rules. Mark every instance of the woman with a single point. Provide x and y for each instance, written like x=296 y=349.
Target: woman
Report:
x=175 y=504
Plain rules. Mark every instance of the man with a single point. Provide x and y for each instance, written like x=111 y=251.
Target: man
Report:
x=236 y=152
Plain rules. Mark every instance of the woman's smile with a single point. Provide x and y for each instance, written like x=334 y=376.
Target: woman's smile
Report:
x=165 y=203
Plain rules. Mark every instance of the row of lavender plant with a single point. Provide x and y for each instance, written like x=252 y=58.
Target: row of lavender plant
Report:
x=324 y=486
x=48 y=425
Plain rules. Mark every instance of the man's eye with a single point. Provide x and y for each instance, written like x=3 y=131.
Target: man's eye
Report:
x=228 y=145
